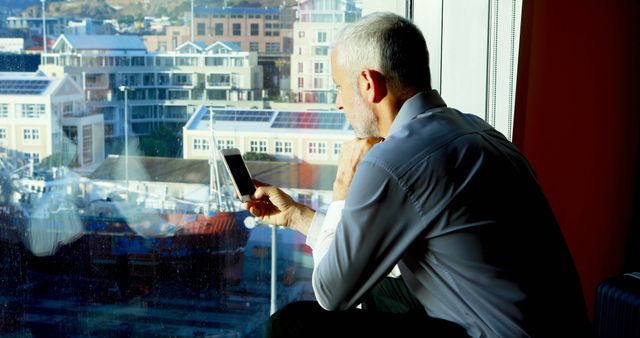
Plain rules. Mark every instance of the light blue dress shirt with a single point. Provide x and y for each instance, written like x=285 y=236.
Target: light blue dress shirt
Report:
x=458 y=208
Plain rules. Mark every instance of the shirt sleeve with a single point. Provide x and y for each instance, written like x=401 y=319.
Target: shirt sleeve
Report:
x=322 y=233
x=370 y=237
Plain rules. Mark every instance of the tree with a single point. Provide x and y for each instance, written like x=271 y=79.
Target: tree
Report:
x=253 y=156
x=162 y=142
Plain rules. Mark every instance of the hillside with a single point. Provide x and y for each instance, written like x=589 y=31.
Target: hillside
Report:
x=114 y=9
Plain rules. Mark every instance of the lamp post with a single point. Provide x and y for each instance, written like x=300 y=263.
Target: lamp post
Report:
x=213 y=162
x=125 y=90
x=44 y=30
x=192 y=24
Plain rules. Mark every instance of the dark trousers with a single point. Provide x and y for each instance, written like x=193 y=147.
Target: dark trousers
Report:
x=388 y=310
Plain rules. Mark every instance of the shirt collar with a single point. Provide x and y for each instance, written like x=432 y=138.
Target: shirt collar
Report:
x=417 y=104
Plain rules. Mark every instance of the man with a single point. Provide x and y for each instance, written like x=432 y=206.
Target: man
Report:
x=430 y=194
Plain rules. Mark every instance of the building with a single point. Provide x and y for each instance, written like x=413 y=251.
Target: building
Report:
x=316 y=25
x=267 y=31
x=57 y=25
x=89 y=27
x=43 y=117
x=311 y=136
x=161 y=87
x=33 y=25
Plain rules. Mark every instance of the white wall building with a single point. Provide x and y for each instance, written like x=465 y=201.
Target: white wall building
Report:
x=289 y=135
x=318 y=23
x=45 y=116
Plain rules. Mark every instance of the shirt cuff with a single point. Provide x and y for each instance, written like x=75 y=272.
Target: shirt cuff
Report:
x=314 y=228
x=324 y=222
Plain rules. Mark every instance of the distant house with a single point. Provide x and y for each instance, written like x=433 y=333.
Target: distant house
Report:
x=44 y=116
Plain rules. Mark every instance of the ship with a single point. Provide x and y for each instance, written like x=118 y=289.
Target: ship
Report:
x=67 y=224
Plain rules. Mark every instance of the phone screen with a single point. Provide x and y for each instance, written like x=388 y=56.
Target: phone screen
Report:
x=240 y=174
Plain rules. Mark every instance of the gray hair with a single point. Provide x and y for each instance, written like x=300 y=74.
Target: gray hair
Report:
x=389 y=44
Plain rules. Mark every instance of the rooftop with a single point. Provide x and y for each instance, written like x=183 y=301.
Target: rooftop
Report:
x=27 y=83
x=237 y=10
x=289 y=175
x=271 y=120
x=102 y=42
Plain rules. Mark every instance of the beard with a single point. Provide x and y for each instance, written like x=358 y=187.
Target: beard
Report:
x=365 y=121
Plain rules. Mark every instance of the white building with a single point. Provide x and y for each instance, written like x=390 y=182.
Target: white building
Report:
x=318 y=23
x=163 y=87
x=289 y=135
x=44 y=117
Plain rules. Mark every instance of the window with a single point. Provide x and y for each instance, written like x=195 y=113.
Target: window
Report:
x=321 y=37
x=200 y=144
x=273 y=47
x=217 y=80
x=321 y=50
x=4 y=110
x=32 y=157
x=255 y=29
x=284 y=147
x=30 y=111
x=226 y=143
x=31 y=135
x=305 y=198
x=214 y=61
x=219 y=29
x=258 y=146
x=336 y=149
x=317 y=149
x=280 y=107
x=236 y=29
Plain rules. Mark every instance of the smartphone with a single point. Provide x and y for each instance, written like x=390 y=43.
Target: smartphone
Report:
x=240 y=176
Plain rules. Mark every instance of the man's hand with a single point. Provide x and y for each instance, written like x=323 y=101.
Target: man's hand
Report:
x=351 y=154
x=275 y=207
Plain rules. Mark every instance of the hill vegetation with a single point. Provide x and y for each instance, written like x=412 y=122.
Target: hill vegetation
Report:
x=138 y=9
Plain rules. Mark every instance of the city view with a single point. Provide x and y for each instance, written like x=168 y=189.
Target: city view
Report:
x=117 y=218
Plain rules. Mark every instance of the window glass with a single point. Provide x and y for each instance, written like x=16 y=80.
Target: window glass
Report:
x=117 y=218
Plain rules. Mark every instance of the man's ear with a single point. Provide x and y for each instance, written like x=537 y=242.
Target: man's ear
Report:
x=373 y=85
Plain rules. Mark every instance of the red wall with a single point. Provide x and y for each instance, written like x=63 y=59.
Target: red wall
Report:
x=576 y=119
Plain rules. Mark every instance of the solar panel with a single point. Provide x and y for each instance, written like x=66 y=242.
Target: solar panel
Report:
x=309 y=120
x=241 y=115
x=23 y=86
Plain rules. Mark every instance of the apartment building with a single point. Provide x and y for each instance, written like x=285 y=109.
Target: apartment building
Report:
x=311 y=136
x=264 y=30
x=33 y=25
x=316 y=25
x=160 y=87
x=44 y=117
